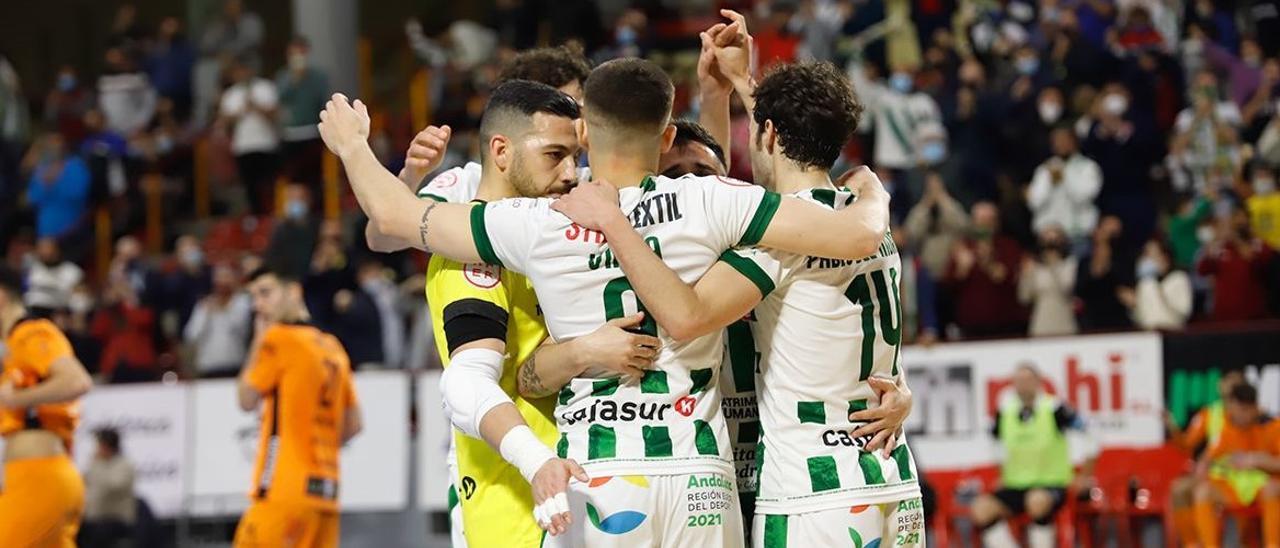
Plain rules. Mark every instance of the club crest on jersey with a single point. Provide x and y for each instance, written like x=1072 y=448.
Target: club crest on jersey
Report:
x=445 y=180
x=482 y=275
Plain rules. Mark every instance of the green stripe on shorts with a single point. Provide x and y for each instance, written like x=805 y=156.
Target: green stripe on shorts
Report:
x=602 y=442
x=704 y=438
x=657 y=441
x=822 y=473
x=775 y=531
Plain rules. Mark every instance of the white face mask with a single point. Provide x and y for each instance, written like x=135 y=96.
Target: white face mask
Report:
x=297 y=61
x=1050 y=112
x=1264 y=185
x=1115 y=104
x=1205 y=234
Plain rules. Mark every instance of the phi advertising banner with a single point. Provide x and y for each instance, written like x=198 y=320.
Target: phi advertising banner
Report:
x=375 y=465
x=1113 y=380
x=152 y=422
x=433 y=445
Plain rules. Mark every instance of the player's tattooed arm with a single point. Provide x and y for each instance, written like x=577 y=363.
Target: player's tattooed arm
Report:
x=424 y=155
x=854 y=232
x=609 y=351
x=392 y=208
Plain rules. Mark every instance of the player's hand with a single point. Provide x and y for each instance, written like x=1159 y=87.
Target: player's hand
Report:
x=591 y=205
x=550 y=501
x=425 y=153
x=344 y=126
x=861 y=180
x=710 y=80
x=885 y=420
x=613 y=348
x=734 y=46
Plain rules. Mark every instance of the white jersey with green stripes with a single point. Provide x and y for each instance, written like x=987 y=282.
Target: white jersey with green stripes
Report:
x=670 y=422
x=826 y=327
x=457 y=185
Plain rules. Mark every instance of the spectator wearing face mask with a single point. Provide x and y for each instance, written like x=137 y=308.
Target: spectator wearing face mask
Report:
x=1063 y=189
x=182 y=287
x=293 y=241
x=935 y=223
x=1264 y=205
x=248 y=110
x=1102 y=275
x=1162 y=298
x=1123 y=143
x=1047 y=284
x=1237 y=263
x=66 y=105
x=303 y=92
x=169 y=64
x=51 y=279
x=375 y=280
x=220 y=327
x=982 y=278
x=125 y=94
x=1032 y=123
x=59 y=189
x=909 y=134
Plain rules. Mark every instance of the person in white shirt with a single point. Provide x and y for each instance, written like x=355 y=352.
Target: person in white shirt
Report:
x=1048 y=284
x=248 y=111
x=220 y=326
x=51 y=279
x=1063 y=189
x=110 y=508
x=1162 y=298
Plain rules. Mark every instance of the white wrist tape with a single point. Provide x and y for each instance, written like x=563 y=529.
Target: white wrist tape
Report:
x=524 y=451
x=469 y=387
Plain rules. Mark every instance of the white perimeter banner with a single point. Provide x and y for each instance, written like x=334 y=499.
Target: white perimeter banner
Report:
x=375 y=465
x=434 y=431
x=152 y=421
x=1114 y=381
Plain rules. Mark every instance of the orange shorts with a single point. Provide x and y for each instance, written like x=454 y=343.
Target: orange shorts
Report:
x=41 y=503
x=277 y=524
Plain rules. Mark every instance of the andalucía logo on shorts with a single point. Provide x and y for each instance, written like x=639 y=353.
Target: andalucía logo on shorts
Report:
x=619 y=523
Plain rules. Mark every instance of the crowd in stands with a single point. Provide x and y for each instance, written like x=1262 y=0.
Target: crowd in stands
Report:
x=1057 y=166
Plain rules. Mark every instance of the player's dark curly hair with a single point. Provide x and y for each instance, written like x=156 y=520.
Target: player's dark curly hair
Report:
x=813 y=109
x=554 y=67
x=689 y=131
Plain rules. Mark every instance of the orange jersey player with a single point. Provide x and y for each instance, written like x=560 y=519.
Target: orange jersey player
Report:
x=43 y=495
x=302 y=378
x=1236 y=469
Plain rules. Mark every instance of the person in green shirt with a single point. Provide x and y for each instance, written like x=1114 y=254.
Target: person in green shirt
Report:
x=303 y=92
x=1183 y=226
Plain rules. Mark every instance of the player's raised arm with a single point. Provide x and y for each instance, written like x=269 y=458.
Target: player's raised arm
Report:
x=392 y=208
x=425 y=154
x=851 y=233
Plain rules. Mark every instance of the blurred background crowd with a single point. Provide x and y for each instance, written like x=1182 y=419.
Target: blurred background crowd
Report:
x=1057 y=166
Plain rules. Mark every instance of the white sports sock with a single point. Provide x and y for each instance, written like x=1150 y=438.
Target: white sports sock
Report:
x=1041 y=536
x=999 y=536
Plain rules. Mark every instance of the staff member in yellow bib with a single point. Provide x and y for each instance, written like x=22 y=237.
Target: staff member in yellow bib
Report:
x=1204 y=430
x=1036 y=470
